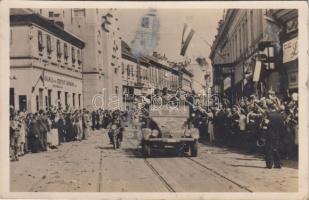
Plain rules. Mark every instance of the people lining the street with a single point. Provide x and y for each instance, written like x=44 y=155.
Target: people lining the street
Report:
x=243 y=124
x=249 y=123
x=267 y=123
x=46 y=130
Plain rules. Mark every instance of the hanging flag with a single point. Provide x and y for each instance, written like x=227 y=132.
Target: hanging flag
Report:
x=257 y=71
x=185 y=41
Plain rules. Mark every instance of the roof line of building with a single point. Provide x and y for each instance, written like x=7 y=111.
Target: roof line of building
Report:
x=44 y=23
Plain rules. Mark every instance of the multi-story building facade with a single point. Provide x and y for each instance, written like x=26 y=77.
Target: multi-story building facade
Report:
x=141 y=75
x=102 y=54
x=45 y=63
x=129 y=72
x=243 y=37
x=239 y=34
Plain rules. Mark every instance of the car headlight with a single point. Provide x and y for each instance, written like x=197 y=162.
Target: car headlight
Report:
x=154 y=133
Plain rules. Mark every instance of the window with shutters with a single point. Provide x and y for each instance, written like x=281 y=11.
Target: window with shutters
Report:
x=122 y=68
x=73 y=55
x=40 y=41
x=50 y=14
x=128 y=70
x=49 y=47
x=65 y=49
x=132 y=72
x=79 y=56
x=59 y=53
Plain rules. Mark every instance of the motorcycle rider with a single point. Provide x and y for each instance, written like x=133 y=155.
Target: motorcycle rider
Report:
x=118 y=121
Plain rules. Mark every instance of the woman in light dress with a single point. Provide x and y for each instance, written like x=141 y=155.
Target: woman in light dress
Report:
x=52 y=135
x=22 y=136
x=210 y=117
x=86 y=124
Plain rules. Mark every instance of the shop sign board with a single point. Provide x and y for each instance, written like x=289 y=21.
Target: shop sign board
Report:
x=290 y=50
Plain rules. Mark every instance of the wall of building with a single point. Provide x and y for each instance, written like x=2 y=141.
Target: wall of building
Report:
x=38 y=74
x=239 y=35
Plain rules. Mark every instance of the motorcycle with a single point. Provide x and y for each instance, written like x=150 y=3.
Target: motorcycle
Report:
x=115 y=135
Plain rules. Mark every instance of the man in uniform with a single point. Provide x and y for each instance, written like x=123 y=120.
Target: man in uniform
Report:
x=15 y=127
x=274 y=136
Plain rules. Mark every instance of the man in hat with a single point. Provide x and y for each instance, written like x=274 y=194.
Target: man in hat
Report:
x=44 y=128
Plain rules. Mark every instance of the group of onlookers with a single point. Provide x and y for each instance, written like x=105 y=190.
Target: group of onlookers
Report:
x=245 y=124
x=45 y=130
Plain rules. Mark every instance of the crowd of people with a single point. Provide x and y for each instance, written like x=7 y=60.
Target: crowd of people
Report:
x=247 y=123
x=48 y=129
x=250 y=123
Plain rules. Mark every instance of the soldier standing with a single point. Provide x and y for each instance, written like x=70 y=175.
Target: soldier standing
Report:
x=15 y=127
x=274 y=136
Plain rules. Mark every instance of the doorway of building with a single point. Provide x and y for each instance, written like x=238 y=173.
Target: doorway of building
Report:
x=22 y=99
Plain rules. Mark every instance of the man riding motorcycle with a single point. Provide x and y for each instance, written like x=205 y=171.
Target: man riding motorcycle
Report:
x=116 y=121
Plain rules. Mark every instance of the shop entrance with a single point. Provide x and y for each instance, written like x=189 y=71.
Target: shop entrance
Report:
x=12 y=97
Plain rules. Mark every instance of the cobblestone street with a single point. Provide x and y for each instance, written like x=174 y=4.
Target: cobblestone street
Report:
x=94 y=166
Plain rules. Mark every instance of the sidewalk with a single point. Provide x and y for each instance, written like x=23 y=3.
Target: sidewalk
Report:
x=250 y=168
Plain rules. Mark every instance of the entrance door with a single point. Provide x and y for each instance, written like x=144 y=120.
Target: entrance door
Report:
x=41 y=98
x=12 y=97
x=66 y=99
x=49 y=97
x=22 y=102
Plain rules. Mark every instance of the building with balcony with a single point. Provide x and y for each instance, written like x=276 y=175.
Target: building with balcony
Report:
x=46 y=63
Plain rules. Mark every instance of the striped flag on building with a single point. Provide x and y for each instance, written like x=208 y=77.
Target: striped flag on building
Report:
x=187 y=35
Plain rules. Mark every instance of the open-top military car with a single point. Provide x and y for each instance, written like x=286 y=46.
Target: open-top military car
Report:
x=169 y=128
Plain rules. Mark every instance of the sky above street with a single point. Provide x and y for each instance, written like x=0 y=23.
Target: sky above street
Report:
x=203 y=21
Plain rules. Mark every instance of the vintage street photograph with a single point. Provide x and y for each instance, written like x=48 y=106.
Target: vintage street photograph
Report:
x=154 y=99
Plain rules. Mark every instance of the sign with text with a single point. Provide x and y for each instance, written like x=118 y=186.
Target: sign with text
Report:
x=59 y=83
x=290 y=50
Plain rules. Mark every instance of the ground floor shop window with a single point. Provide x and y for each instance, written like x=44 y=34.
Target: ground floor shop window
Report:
x=40 y=98
x=73 y=99
x=37 y=102
x=59 y=98
x=49 y=97
x=66 y=98
x=46 y=102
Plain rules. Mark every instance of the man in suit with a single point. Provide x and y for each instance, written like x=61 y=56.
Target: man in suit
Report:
x=274 y=136
x=43 y=128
